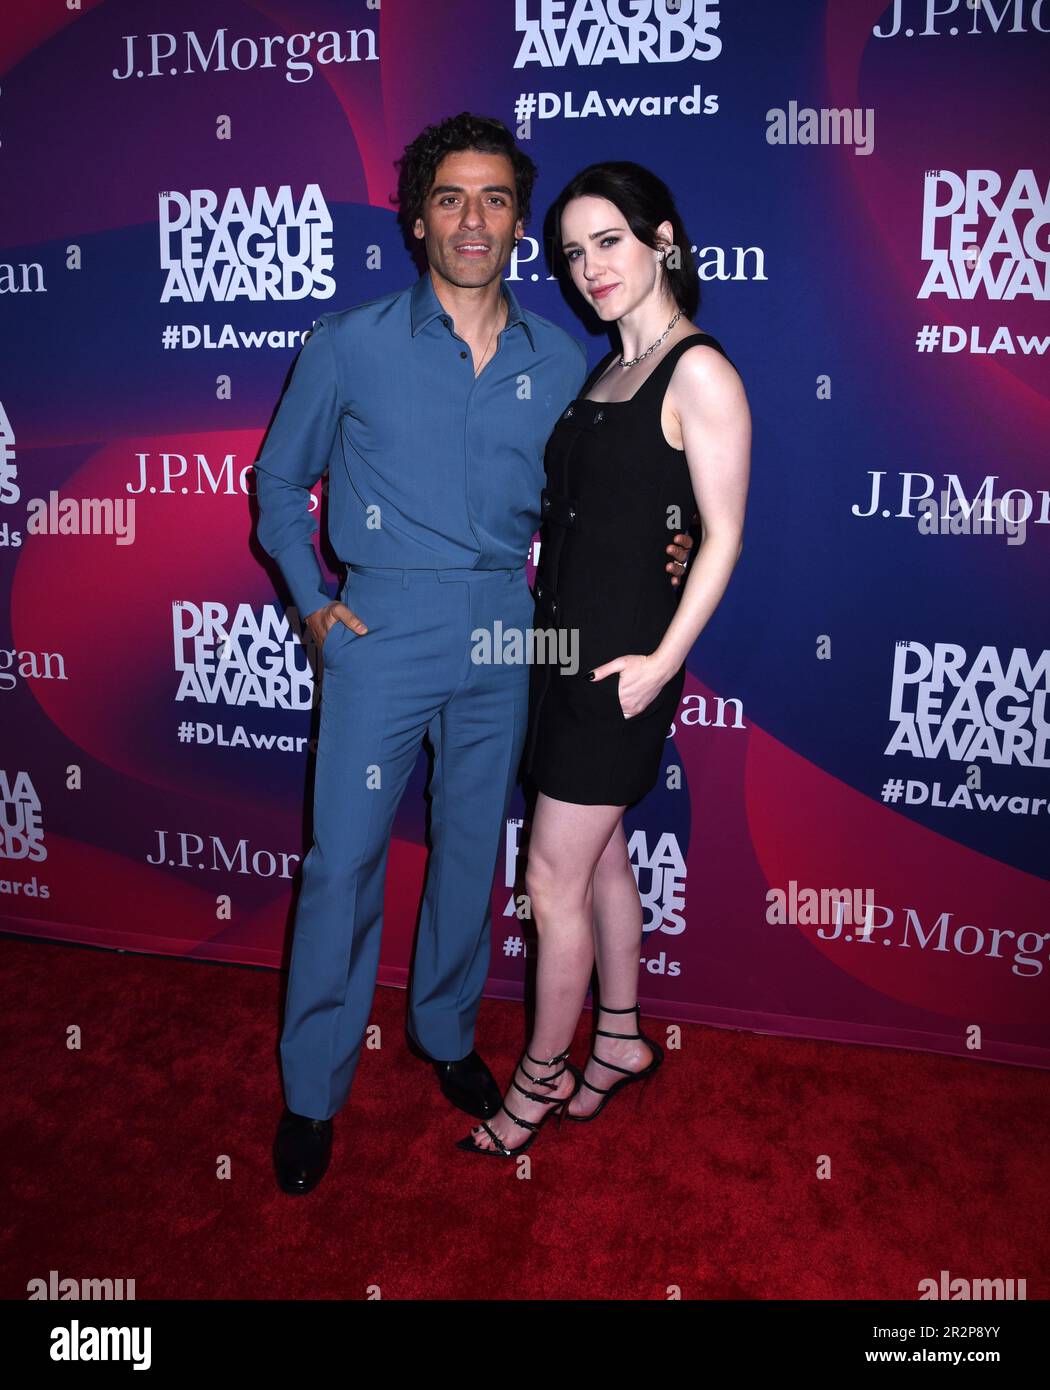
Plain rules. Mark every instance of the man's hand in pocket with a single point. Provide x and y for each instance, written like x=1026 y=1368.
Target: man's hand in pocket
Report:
x=322 y=620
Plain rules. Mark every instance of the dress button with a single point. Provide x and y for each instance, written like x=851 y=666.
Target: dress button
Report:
x=599 y=417
x=462 y=354
x=567 y=413
x=445 y=322
x=546 y=503
x=572 y=513
x=539 y=590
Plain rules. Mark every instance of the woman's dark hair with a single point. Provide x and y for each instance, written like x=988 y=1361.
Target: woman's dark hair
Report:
x=418 y=164
x=645 y=201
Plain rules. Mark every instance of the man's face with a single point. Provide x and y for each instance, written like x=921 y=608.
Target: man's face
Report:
x=470 y=218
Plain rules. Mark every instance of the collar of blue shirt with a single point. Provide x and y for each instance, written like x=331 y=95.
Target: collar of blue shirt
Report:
x=426 y=306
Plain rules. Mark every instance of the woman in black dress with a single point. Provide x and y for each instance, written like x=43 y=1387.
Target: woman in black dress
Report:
x=661 y=430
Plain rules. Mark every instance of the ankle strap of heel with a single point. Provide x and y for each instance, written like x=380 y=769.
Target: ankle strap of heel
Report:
x=541 y=1080
x=634 y=1009
x=560 y=1058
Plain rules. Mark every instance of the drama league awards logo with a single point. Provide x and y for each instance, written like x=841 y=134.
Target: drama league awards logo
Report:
x=589 y=33
x=981 y=238
x=240 y=658
x=257 y=246
x=21 y=827
x=945 y=703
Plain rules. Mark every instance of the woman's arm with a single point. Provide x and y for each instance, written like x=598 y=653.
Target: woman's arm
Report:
x=706 y=394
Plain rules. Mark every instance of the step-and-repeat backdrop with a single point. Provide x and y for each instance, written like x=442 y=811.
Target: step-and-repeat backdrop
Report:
x=849 y=838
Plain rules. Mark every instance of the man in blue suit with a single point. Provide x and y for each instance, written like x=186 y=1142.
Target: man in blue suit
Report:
x=430 y=408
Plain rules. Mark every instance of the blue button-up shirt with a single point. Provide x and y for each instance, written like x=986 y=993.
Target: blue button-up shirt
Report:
x=428 y=467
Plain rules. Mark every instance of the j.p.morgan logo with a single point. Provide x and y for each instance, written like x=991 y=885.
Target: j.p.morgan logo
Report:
x=258 y=245
x=164 y=55
x=949 y=17
x=588 y=33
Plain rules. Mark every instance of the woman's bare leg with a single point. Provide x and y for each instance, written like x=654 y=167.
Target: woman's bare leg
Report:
x=565 y=844
x=617 y=947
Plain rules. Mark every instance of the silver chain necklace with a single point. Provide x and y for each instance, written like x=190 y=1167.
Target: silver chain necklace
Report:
x=652 y=348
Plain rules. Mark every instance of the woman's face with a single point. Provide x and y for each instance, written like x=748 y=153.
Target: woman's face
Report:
x=611 y=268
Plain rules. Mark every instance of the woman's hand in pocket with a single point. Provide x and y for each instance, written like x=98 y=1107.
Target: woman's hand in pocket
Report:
x=641 y=680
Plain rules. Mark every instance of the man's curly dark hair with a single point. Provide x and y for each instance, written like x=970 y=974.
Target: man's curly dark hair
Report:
x=418 y=164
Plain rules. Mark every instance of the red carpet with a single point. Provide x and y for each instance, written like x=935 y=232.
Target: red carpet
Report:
x=112 y=1153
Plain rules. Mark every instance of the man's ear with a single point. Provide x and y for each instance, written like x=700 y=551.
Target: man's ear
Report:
x=418 y=228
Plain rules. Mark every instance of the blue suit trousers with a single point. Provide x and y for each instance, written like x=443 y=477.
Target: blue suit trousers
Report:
x=411 y=672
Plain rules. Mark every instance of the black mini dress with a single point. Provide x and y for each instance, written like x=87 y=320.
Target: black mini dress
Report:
x=605 y=523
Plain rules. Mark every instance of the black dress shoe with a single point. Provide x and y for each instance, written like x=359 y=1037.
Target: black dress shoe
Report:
x=301 y=1150
x=469 y=1085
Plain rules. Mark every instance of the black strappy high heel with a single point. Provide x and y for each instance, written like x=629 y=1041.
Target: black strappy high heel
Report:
x=559 y=1102
x=628 y=1076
